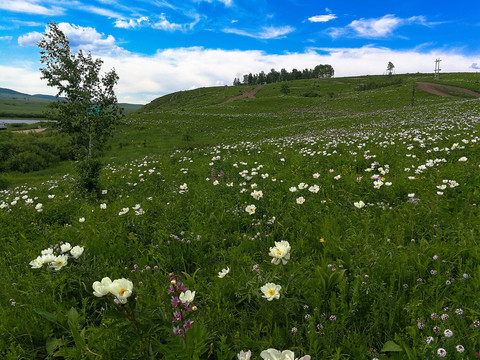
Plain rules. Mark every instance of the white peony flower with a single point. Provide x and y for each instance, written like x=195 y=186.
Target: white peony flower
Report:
x=273 y=354
x=58 y=262
x=251 y=209
x=65 y=247
x=271 y=291
x=76 y=251
x=242 y=355
x=187 y=296
x=37 y=263
x=221 y=274
x=359 y=204
x=102 y=288
x=121 y=289
x=280 y=252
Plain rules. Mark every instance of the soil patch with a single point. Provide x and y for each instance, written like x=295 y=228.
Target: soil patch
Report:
x=247 y=94
x=30 y=131
x=436 y=89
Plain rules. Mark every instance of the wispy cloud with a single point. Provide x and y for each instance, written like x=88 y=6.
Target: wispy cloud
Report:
x=27 y=23
x=8 y=38
x=29 y=7
x=375 y=28
x=131 y=23
x=267 y=32
x=100 y=11
x=163 y=24
x=322 y=18
x=160 y=23
x=225 y=2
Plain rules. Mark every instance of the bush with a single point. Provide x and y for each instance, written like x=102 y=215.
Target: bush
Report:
x=4 y=183
x=32 y=152
x=88 y=173
x=311 y=94
x=26 y=161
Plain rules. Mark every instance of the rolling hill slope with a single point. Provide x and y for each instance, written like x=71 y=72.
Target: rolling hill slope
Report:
x=14 y=104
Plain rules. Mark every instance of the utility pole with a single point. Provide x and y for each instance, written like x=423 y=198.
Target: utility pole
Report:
x=437 y=68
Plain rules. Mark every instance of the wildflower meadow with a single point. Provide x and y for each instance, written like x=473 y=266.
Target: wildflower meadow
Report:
x=279 y=227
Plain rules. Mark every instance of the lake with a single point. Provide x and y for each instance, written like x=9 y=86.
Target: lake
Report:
x=19 y=121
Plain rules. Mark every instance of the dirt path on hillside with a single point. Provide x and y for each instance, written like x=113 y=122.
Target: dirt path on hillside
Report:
x=247 y=94
x=30 y=131
x=436 y=89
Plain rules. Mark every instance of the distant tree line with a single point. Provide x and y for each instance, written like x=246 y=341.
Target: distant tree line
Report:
x=320 y=71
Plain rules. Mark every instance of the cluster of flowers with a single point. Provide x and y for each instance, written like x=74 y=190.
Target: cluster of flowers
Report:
x=272 y=354
x=180 y=301
x=120 y=288
x=137 y=208
x=49 y=256
x=280 y=253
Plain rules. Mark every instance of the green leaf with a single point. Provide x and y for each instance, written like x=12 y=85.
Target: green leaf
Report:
x=391 y=346
x=52 y=344
x=73 y=316
x=47 y=315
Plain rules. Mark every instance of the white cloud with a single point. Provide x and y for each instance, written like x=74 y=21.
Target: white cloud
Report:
x=30 y=39
x=267 y=32
x=164 y=24
x=375 y=28
x=24 y=79
x=144 y=78
x=89 y=39
x=322 y=18
x=8 y=38
x=132 y=23
x=29 y=7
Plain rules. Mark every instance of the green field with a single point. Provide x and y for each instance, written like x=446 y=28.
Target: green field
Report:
x=358 y=211
x=15 y=105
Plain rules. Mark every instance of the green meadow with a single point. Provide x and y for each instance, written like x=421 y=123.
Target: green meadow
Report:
x=338 y=221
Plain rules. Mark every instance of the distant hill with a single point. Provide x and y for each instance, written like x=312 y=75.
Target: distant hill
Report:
x=324 y=96
x=14 y=104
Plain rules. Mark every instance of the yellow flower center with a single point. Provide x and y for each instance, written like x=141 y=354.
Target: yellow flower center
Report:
x=271 y=292
x=279 y=252
x=122 y=291
x=59 y=263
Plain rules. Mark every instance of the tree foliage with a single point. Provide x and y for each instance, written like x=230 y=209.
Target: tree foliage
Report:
x=90 y=108
x=390 y=68
x=320 y=71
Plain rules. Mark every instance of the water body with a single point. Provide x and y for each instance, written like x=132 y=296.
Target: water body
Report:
x=19 y=121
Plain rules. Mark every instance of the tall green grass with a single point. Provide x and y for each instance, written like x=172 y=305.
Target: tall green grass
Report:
x=361 y=282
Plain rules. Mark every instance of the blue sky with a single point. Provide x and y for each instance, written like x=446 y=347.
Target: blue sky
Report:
x=161 y=46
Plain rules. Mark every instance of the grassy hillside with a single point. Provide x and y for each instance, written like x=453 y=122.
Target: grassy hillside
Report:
x=200 y=117
x=343 y=225
x=16 y=105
